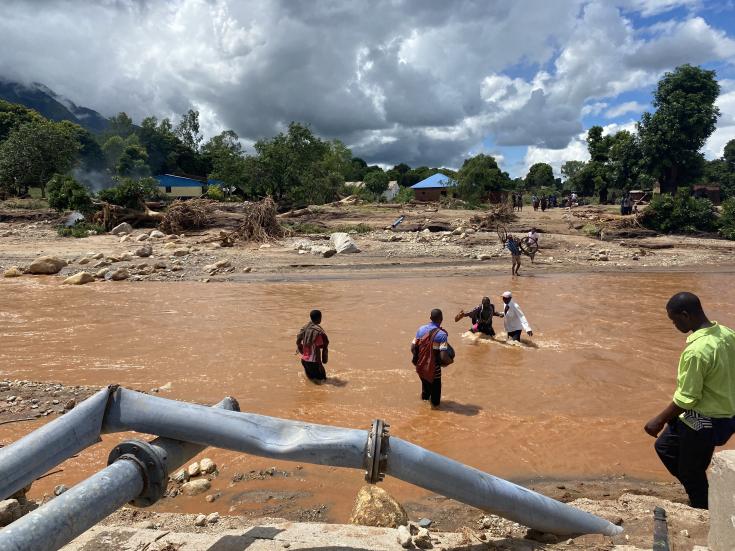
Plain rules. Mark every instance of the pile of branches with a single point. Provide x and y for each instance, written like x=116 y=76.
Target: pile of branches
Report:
x=259 y=223
x=193 y=214
x=491 y=219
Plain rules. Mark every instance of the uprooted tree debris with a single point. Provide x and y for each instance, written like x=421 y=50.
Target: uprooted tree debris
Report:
x=489 y=220
x=193 y=214
x=258 y=223
x=253 y=221
x=111 y=215
x=607 y=225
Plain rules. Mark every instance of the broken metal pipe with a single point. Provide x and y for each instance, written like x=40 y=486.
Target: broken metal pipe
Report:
x=318 y=444
x=137 y=471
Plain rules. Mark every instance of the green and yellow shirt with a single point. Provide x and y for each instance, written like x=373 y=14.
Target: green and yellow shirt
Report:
x=706 y=379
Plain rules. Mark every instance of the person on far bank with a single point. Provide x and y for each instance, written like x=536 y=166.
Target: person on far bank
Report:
x=515 y=252
x=514 y=319
x=313 y=345
x=701 y=414
x=533 y=238
x=430 y=352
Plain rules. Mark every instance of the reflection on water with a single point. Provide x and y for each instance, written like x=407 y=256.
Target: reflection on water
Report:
x=571 y=401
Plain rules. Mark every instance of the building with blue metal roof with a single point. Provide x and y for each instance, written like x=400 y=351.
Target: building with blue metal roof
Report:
x=433 y=188
x=181 y=186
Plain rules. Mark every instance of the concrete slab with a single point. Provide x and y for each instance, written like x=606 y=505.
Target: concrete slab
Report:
x=722 y=501
x=266 y=537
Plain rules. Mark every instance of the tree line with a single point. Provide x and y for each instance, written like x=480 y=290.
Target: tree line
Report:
x=666 y=147
x=296 y=167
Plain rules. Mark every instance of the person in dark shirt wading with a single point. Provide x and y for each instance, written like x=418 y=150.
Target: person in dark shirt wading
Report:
x=313 y=345
x=431 y=351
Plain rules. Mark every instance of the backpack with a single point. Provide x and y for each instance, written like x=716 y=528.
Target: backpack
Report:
x=423 y=355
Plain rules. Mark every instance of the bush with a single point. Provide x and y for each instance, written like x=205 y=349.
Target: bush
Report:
x=80 y=229
x=65 y=193
x=590 y=230
x=215 y=193
x=130 y=193
x=404 y=195
x=727 y=219
x=680 y=213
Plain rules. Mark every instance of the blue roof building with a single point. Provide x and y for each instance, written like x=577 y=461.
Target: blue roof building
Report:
x=181 y=186
x=433 y=188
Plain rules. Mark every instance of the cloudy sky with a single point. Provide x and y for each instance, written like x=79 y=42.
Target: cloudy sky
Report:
x=427 y=82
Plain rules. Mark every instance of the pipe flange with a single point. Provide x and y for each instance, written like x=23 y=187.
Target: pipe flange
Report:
x=376 y=452
x=152 y=467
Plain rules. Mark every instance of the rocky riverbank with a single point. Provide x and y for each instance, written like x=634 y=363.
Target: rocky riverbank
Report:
x=430 y=238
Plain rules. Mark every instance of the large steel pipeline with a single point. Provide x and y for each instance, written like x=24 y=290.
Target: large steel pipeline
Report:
x=340 y=447
x=271 y=437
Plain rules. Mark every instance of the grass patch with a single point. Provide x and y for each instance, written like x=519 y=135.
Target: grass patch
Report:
x=590 y=230
x=26 y=204
x=306 y=227
x=80 y=230
x=357 y=228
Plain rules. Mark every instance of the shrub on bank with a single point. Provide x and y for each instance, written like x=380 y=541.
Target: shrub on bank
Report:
x=131 y=193
x=80 y=229
x=727 y=219
x=216 y=193
x=404 y=195
x=680 y=213
x=65 y=193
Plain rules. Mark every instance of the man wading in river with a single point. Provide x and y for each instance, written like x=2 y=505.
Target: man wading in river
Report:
x=431 y=351
x=481 y=317
x=313 y=345
x=702 y=412
x=513 y=318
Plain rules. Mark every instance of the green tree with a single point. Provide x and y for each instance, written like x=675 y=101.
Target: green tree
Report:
x=12 y=115
x=598 y=145
x=65 y=193
x=540 y=175
x=591 y=179
x=356 y=170
x=338 y=159
x=121 y=125
x=33 y=152
x=161 y=145
x=571 y=168
x=133 y=162
x=479 y=176
x=685 y=117
x=728 y=155
x=625 y=161
x=376 y=182
x=224 y=151
x=294 y=168
x=188 y=130
x=91 y=156
x=113 y=149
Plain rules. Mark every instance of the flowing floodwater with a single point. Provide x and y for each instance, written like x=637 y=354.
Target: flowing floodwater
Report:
x=570 y=405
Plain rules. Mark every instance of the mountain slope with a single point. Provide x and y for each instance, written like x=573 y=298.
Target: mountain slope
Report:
x=52 y=106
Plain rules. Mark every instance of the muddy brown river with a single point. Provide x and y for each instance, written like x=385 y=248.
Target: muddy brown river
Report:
x=569 y=403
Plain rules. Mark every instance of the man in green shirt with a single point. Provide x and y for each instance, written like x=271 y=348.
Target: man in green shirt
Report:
x=702 y=412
